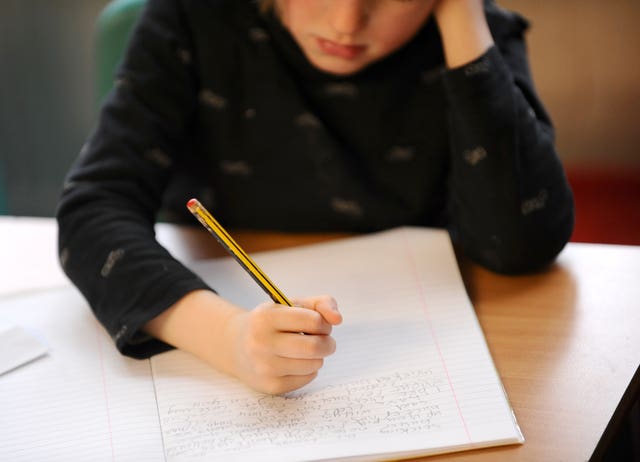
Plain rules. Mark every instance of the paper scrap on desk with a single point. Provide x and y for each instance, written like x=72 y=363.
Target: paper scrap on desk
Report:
x=18 y=347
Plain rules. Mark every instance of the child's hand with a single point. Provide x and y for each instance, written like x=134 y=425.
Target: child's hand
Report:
x=472 y=7
x=464 y=30
x=269 y=352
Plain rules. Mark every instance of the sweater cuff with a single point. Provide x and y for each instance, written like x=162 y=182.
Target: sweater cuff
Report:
x=480 y=78
x=132 y=341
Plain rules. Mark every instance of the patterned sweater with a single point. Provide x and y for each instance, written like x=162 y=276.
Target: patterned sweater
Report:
x=215 y=100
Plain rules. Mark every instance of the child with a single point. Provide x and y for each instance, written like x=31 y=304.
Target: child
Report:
x=300 y=115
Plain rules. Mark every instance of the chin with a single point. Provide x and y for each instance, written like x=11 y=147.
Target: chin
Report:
x=342 y=69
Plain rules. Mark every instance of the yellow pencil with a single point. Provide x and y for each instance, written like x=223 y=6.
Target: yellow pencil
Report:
x=221 y=235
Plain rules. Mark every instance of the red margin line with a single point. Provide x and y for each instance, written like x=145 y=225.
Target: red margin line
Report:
x=433 y=334
x=104 y=389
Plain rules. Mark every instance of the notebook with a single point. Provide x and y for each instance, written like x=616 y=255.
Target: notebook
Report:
x=412 y=374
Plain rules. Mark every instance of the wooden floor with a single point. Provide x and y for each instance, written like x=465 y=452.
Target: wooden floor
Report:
x=607 y=205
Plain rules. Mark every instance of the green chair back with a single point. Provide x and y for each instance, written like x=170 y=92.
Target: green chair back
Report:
x=113 y=31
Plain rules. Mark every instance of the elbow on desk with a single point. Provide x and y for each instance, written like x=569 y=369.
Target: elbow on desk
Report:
x=516 y=262
x=527 y=245
x=529 y=252
x=513 y=261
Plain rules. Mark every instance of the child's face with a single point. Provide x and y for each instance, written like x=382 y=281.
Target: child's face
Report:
x=344 y=36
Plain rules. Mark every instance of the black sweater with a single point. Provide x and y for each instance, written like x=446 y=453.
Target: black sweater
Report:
x=216 y=101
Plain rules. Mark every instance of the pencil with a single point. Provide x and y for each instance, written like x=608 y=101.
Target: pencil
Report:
x=223 y=237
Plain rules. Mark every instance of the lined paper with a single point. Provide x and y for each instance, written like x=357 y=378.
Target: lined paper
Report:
x=412 y=374
x=83 y=401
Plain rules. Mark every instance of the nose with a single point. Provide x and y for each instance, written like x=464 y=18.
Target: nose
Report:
x=347 y=17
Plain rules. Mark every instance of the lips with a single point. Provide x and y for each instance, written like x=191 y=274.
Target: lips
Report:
x=340 y=50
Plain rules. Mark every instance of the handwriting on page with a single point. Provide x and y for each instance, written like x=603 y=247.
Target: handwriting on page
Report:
x=401 y=402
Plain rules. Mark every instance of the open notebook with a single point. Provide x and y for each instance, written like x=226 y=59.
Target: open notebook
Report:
x=411 y=376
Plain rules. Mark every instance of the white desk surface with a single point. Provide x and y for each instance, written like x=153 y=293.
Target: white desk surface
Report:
x=29 y=255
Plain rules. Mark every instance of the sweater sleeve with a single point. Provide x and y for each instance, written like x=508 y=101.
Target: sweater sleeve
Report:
x=511 y=206
x=114 y=190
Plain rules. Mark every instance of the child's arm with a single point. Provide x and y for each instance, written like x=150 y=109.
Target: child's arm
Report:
x=262 y=347
x=511 y=208
x=106 y=221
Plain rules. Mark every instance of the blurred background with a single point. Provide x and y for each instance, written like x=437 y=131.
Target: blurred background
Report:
x=584 y=57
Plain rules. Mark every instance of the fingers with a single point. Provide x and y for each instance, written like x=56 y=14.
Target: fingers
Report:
x=271 y=356
x=295 y=346
x=279 y=385
x=281 y=375
x=297 y=320
x=324 y=304
x=274 y=330
x=283 y=367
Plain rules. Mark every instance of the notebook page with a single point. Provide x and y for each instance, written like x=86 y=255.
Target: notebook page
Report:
x=83 y=401
x=411 y=375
